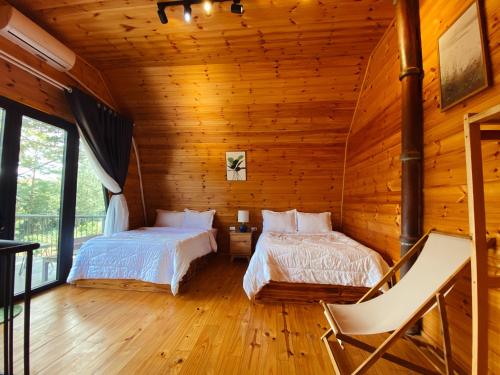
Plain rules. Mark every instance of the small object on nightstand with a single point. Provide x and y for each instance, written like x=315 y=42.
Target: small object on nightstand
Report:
x=243 y=218
x=240 y=244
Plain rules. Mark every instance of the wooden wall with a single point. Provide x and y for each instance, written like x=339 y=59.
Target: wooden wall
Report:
x=372 y=187
x=280 y=83
x=286 y=116
x=371 y=203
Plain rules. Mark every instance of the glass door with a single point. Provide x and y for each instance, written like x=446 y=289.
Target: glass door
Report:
x=39 y=161
x=40 y=175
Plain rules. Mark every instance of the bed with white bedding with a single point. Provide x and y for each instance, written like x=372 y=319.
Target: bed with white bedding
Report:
x=322 y=259
x=157 y=255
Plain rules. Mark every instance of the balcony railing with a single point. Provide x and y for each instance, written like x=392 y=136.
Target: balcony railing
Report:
x=44 y=229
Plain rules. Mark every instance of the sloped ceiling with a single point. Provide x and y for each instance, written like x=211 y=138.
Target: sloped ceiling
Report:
x=313 y=50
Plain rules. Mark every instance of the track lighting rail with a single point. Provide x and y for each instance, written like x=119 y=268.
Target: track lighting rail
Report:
x=236 y=7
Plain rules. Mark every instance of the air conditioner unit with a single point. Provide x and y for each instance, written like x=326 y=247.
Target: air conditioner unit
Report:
x=22 y=31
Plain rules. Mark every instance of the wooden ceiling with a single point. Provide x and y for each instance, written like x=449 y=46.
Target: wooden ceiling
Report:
x=113 y=33
x=286 y=55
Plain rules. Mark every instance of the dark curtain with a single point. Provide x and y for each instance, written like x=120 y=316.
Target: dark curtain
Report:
x=108 y=134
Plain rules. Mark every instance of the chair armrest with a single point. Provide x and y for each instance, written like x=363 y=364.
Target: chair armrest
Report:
x=395 y=268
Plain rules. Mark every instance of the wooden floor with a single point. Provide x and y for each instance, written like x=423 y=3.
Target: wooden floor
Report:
x=211 y=329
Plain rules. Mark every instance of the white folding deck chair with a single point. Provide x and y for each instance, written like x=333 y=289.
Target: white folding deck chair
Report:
x=433 y=275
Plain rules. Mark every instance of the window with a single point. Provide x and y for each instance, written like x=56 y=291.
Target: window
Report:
x=40 y=175
x=90 y=203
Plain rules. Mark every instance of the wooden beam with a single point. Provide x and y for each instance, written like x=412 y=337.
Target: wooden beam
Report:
x=479 y=258
x=491 y=115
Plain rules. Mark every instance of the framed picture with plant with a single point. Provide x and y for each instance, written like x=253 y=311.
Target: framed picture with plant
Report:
x=236 y=166
x=463 y=69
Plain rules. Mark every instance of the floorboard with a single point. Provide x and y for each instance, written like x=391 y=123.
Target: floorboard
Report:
x=212 y=328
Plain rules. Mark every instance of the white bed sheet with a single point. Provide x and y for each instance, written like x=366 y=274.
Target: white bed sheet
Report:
x=160 y=255
x=327 y=258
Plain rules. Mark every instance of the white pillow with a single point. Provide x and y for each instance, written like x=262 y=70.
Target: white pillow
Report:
x=284 y=222
x=173 y=219
x=198 y=220
x=314 y=223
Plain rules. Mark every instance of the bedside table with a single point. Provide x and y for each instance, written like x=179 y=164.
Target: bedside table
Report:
x=240 y=244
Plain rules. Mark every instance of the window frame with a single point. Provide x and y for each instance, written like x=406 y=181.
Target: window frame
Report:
x=14 y=113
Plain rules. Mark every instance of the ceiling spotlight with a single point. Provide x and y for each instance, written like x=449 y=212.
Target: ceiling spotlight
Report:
x=207 y=6
x=187 y=12
x=161 y=14
x=236 y=7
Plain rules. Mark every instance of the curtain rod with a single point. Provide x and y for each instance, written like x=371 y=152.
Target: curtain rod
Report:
x=28 y=68
x=44 y=77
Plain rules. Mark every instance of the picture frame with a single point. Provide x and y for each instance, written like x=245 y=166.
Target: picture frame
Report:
x=236 y=166
x=462 y=59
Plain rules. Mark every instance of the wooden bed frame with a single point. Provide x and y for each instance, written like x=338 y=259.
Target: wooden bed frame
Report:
x=144 y=286
x=283 y=292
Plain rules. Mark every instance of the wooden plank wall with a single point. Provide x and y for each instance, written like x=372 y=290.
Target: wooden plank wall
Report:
x=285 y=115
x=24 y=88
x=372 y=186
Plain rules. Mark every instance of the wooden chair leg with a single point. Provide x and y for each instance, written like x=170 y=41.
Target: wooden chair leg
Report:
x=446 y=334
x=335 y=352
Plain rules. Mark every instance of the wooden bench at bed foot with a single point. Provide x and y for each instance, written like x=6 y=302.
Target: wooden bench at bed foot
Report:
x=283 y=292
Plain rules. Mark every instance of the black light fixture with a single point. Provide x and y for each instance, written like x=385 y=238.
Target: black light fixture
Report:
x=187 y=11
x=207 y=6
x=236 y=7
x=162 y=14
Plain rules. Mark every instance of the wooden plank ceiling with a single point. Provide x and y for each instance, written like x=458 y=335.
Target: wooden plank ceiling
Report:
x=280 y=82
x=113 y=33
x=299 y=51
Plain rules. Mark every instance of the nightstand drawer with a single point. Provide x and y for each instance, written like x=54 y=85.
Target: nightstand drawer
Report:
x=241 y=247
x=240 y=239
x=240 y=235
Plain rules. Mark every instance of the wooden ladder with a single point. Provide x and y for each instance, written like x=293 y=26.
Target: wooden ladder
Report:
x=479 y=127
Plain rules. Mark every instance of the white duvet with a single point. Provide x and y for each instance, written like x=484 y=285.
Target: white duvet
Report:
x=156 y=255
x=327 y=258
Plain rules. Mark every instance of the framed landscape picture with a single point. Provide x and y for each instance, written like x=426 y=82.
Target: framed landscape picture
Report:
x=462 y=60
x=236 y=166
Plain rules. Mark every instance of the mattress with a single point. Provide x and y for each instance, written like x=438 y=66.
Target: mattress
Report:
x=160 y=255
x=327 y=258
